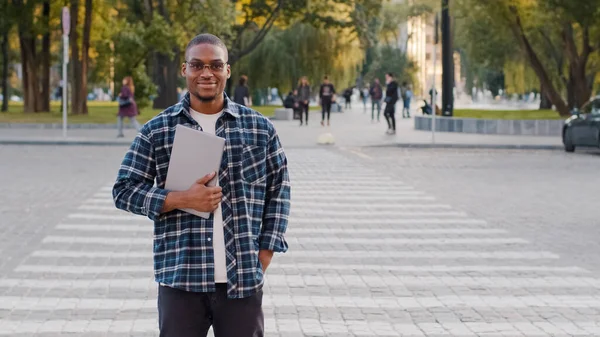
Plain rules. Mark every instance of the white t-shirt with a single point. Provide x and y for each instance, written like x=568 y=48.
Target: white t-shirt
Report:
x=208 y=124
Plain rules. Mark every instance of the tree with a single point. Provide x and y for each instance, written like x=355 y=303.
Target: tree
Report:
x=557 y=38
x=285 y=55
x=182 y=15
x=30 y=28
x=80 y=60
x=6 y=23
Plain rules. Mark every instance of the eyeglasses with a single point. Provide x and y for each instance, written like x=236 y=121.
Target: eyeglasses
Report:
x=199 y=66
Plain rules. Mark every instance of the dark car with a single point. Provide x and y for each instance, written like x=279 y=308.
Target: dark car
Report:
x=583 y=128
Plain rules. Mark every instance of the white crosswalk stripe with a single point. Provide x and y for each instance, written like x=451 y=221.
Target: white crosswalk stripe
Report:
x=368 y=255
x=99 y=240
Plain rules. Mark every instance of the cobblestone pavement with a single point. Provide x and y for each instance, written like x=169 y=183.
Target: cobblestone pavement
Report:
x=383 y=242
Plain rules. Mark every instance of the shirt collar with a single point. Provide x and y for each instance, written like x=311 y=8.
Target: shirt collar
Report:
x=184 y=106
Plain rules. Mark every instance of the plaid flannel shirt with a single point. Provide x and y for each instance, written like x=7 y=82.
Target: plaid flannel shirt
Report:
x=255 y=204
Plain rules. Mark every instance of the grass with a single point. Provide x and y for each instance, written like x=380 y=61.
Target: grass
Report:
x=99 y=113
x=507 y=114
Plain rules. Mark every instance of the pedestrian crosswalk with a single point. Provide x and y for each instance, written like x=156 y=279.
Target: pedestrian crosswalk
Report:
x=369 y=256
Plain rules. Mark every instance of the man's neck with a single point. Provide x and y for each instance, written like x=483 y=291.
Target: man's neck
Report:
x=207 y=108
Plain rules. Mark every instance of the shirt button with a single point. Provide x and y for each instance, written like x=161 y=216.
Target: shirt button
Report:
x=209 y=239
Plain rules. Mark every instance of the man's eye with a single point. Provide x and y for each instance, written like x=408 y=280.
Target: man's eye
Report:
x=216 y=66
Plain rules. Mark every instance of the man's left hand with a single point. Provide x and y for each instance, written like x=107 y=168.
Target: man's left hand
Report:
x=265 y=256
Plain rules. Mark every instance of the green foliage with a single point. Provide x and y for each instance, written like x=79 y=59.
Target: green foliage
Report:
x=391 y=59
x=301 y=50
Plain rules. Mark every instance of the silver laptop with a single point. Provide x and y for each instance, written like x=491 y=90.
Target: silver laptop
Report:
x=194 y=155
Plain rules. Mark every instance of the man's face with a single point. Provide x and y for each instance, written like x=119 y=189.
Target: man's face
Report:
x=377 y=81
x=388 y=79
x=206 y=71
x=326 y=81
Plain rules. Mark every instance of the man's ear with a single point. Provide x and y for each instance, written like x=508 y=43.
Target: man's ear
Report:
x=183 y=68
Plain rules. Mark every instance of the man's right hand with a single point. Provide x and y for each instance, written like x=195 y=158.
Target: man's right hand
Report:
x=203 y=198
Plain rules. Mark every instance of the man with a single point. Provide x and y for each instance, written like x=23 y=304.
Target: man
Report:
x=376 y=95
x=391 y=97
x=241 y=93
x=303 y=98
x=210 y=271
x=327 y=96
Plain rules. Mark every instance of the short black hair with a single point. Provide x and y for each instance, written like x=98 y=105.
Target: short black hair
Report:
x=390 y=74
x=326 y=77
x=207 y=39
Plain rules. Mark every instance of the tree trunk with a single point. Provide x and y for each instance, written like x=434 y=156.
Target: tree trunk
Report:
x=5 y=70
x=165 y=76
x=85 y=47
x=27 y=45
x=44 y=100
x=571 y=95
x=545 y=103
x=166 y=71
x=30 y=79
x=75 y=62
x=537 y=66
x=579 y=87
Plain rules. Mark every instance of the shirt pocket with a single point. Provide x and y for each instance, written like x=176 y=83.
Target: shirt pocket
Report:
x=254 y=164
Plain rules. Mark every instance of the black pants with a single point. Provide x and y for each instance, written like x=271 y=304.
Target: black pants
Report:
x=187 y=314
x=390 y=115
x=303 y=113
x=325 y=108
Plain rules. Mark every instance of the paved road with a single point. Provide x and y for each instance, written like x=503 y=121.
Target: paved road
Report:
x=384 y=242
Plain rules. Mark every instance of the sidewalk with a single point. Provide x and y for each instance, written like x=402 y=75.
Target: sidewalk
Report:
x=352 y=128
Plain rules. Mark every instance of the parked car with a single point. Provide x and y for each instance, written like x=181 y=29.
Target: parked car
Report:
x=583 y=128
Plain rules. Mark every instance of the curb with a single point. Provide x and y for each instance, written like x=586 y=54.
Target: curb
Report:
x=100 y=142
x=57 y=126
x=65 y=142
x=74 y=126
x=473 y=146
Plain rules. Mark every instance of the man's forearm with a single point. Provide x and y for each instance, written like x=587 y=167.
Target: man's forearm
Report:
x=175 y=200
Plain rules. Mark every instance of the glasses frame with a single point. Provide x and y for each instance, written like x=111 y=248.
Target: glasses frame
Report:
x=193 y=68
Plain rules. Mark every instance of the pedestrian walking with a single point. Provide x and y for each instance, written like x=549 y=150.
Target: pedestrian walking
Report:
x=210 y=271
x=348 y=98
x=127 y=106
x=406 y=97
x=241 y=94
x=364 y=95
x=327 y=96
x=303 y=98
x=391 y=97
x=376 y=94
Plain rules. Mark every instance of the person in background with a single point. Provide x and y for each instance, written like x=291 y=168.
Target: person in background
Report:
x=327 y=96
x=364 y=94
x=241 y=94
x=406 y=97
x=348 y=98
x=391 y=97
x=127 y=106
x=291 y=102
x=303 y=98
x=376 y=94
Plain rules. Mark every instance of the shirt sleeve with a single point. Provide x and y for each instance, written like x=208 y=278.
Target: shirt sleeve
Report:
x=277 y=203
x=134 y=189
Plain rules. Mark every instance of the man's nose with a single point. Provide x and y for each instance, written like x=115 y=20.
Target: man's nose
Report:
x=205 y=72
